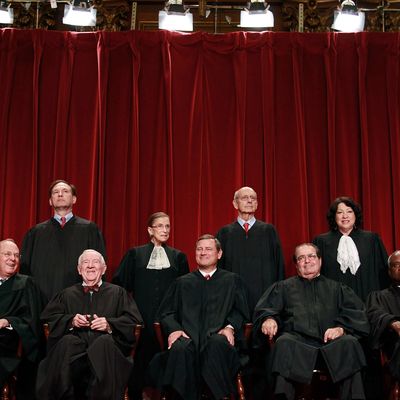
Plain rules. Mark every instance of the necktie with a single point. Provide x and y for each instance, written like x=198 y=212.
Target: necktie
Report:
x=246 y=227
x=94 y=288
x=63 y=221
x=207 y=277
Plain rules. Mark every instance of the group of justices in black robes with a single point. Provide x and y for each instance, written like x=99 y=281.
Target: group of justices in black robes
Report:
x=251 y=248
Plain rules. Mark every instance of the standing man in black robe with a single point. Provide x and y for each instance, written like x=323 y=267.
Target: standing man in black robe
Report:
x=383 y=308
x=20 y=307
x=50 y=250
x=251 y=248
x=315 y=317
x=91 y=336
x=202 y=314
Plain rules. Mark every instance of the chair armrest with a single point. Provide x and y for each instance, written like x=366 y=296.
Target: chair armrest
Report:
x=159 y=335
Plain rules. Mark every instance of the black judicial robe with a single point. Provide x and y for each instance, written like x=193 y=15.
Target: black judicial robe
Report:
x=257 y=257
x=107 y=354
x=383 y=307
x=21 y=304
x=304 y=310
x=50 y=253
x=148 y=287
x=201 y=309
x=372 y=273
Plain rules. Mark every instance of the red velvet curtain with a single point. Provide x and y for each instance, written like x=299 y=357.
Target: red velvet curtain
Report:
x=149 y=121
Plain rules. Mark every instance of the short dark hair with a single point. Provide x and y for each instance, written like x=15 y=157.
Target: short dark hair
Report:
x=208 y=236
x=395 y=253
x=154 y=216
x=57 y=181
x=331 y=214
x=317 y=251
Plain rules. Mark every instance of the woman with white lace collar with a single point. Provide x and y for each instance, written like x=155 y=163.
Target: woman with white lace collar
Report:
x=147 y=272
x=350 y=254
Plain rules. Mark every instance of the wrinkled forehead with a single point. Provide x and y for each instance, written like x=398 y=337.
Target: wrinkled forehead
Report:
x=8 y=245
x=304 y=250
x=206 y=243
x=90 y=256
x=61 y=186
x=247 y=191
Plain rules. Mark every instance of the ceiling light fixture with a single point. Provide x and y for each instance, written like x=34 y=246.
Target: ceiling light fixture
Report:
x=175 y=17
x=79 y=14
x=256 y=15
x=6 y=13
x=348 y=18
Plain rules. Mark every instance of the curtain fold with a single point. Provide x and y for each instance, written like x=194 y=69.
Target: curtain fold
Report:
x=150 y=121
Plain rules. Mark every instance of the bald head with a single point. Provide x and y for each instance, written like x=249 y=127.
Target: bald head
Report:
x=245 y=202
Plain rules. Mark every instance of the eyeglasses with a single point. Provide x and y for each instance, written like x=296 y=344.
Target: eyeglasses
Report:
x=247 y=198
x=395 y=266
x=161 y=226
x=301 y=259
x=9 y=254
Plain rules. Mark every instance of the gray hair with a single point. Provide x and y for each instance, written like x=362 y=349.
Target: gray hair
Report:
x=95 y=251
x=395 y=253
x=236 y=194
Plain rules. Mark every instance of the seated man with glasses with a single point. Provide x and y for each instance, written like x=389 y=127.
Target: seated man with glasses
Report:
x=383 y=308
x=20 y=307
x=316 y=320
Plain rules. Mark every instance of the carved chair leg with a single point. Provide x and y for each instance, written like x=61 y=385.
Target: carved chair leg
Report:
x=5 y=392
x=240 y=387
x=396 y=391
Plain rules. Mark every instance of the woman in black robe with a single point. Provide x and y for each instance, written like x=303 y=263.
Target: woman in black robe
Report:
x=147 y=272
x=358 y=259
x=349 y=254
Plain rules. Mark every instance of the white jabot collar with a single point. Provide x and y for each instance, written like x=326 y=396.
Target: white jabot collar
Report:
x=347 y=255
x=158 y=259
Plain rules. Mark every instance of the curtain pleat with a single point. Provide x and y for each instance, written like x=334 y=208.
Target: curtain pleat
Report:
x=160 y=121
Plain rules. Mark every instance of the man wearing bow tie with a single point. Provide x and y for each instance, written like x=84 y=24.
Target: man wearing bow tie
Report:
x=91 y=335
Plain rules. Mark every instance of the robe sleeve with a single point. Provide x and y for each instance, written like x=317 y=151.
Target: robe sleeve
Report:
x=128 y=316
x=352 y=314
x=26 y=253
x=26 y=322
x=239 y=314
x=270 y=305
x=60 y=322
x=380 y=261
x=182 y=264
x=96 y=240
x=125 y=274
x=278 y=256
x=167 y=313
x=379 y=318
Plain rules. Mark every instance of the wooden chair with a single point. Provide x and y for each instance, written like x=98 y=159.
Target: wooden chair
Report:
x=239 y=381
x=8 y=391
x=391 y=384
x=321 y=386
x=137 y=330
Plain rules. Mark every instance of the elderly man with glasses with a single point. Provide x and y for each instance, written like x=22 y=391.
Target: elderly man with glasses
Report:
x=318 y=321
x=20 y=307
